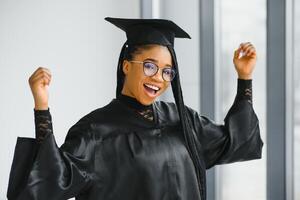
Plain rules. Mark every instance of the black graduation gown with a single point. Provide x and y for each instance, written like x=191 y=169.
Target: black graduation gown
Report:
x=114 y=153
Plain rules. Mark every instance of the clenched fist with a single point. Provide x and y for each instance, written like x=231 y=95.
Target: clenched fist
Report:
x=244 y=60
x=39 y=82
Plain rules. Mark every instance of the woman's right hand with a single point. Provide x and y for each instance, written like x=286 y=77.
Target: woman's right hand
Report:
x=39 y=82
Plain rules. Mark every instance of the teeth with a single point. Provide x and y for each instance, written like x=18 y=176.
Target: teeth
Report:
x=153 y=87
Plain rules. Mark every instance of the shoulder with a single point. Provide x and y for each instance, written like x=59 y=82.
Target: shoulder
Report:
x=98 y=113
x=169 y=111
x=84 y=126
x=171 y=107
x=165 y=105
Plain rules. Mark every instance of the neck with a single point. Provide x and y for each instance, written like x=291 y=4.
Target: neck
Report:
x=132 y=102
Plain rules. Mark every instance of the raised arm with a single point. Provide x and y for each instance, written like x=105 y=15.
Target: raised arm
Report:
x=238 y=139
x=42 y=170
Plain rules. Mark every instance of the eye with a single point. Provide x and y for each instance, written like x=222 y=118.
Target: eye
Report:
x=150 y=65
x=168 y=71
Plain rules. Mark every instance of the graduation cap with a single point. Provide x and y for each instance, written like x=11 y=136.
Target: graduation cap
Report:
x=162 y=32
x=149 y=31
x=143 y=32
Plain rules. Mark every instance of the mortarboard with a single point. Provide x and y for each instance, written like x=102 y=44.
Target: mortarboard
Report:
x=149 y=31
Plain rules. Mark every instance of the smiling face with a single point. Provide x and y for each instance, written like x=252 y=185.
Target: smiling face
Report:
x=137 y=84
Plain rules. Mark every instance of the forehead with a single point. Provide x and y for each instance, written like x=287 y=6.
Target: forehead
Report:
x=157 y=53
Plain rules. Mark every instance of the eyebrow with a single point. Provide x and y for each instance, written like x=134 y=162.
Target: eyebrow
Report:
x=156 y=61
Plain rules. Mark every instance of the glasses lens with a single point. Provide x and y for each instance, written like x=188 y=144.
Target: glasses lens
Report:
x=150 y=68
x=168 y=74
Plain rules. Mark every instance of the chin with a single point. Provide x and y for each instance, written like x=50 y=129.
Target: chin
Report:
x=146 y=102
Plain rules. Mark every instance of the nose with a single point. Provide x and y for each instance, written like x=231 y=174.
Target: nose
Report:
x=158 y=76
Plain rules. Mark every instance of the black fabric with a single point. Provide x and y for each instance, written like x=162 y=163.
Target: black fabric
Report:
x=149 y=31
x=145 y=110
x=43 y=124
x=114 y=153
x=244 y=90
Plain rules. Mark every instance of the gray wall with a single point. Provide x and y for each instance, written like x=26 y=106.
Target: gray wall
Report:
x=73 y=40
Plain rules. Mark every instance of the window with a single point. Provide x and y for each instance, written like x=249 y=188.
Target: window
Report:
x=237 y=23
x=296 y=101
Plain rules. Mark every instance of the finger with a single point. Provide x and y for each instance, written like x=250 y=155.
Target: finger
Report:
x=237 y=53
x=46 y=81
x=40 y=77
x=240 y=53
x=248 y=49
x=246 y=46
x=42 y=81
x=251 y=52
x=47 y=70
x=242 y=45
x=43 y=72
x=40 y=70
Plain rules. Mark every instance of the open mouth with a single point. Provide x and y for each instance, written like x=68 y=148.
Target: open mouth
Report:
x=151 y=89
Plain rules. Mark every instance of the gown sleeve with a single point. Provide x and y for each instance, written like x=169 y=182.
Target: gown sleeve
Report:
x=238 y=139
x=42 y=170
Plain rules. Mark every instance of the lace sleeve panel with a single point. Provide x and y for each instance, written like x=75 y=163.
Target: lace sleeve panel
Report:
x=43 y=124
x=147 y=113
x=244 y=90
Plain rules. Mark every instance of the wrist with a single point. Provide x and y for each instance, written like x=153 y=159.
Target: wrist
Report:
x=41 y=107
x=245 y=77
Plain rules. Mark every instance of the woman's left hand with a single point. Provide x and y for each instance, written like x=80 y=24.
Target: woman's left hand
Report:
x=245 y=63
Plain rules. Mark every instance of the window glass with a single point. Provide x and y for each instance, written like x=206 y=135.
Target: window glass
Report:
x=297 y=101
x=241 y=21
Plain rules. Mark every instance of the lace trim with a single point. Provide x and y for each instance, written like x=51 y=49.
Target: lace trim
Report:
x=148 y=114
x=43 y=124
x=145 y=110
x=244 y=90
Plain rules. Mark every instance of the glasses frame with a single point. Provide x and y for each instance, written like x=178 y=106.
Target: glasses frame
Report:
x=157 y=69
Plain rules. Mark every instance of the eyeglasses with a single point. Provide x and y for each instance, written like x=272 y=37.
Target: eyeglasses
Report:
x=150 y=69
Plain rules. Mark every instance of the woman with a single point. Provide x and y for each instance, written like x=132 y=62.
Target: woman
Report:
x=137 y=148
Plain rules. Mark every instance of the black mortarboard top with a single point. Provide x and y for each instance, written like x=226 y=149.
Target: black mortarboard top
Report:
x=149 y=31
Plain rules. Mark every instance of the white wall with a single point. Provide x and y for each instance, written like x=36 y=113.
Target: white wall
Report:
x=73 y=40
